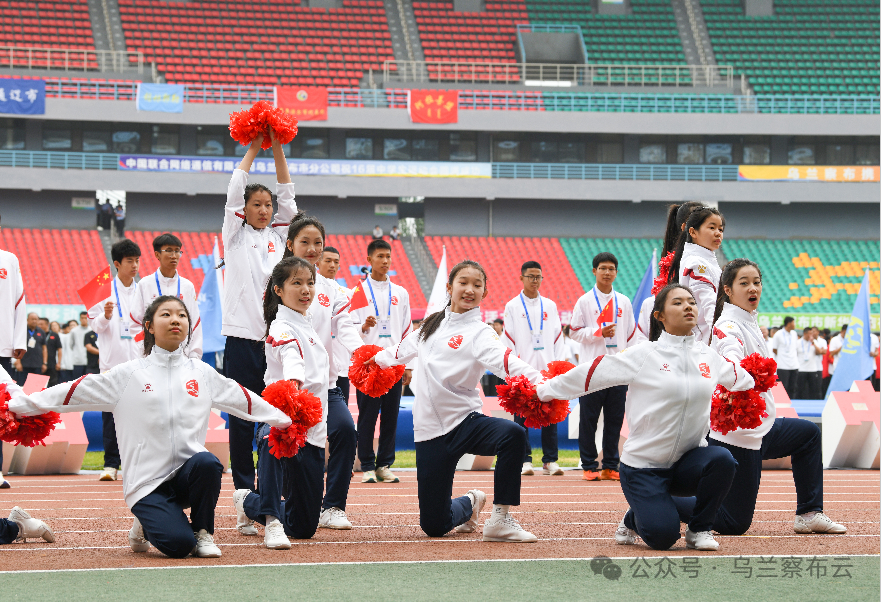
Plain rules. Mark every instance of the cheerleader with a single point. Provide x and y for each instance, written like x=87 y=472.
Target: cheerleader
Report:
x=294 y=352
x=677 y=215
x=695 y=265
x=336 y=329
x=454 y=348
x=671 y=379
x=253 y=242
x=161 y=404
x=735 y=336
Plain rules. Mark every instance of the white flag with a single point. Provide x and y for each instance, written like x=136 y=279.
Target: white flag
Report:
x=438 y=300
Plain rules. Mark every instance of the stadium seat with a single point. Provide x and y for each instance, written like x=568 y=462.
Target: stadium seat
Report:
x=55 y=25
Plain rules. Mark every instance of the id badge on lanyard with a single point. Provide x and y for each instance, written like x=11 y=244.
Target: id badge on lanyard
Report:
x=385 y=329
x=124 y=326
x=537 y=342
x=384 y=323
x=32 y=342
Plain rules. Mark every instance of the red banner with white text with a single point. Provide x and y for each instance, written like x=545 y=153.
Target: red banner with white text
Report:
x=434 y=106
x=305 y=103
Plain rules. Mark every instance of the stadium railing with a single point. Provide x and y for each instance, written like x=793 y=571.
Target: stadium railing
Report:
x=501 y=99
x=23 y=57
x=667 y=173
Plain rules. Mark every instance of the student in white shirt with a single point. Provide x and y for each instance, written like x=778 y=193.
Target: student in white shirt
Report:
x=253 y=242
x=695 y=264
x=328 y=266
x=735 y=336
x=835 y=346
x=785 y=346
x=533 y=331
x=572 y=348
x=168 y=249
x=294 y=352
x=453 y=348
x=111 y=321
x=334 y=323
x=385 y=322
x=162 y=403
x=810 y=356
x=598 y=337
x=671 y=380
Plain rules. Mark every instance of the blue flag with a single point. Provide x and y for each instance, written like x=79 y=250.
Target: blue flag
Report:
x=855 y=362
x=210 y=302
x=165 y=98
x=645 y=286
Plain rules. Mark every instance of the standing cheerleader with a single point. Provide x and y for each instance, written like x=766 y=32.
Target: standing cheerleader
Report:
x=671 y=381
x=161 y=405
x=677 y=215
x=454 y=349
x=695 y=265
x=253 y=242
x=294 y=352
x=736 y=334
x=336 y=329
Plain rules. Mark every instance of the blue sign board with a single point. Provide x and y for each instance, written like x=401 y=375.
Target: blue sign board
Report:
x=23 y=96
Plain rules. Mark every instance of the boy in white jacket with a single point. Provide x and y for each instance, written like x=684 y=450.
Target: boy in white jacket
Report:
x=168 y=249
x=533 y=331
x=161 y=404
x=671 y=381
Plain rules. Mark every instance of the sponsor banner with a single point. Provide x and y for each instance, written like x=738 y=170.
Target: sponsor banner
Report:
x=433 y=106
x=310 y=167
x=304 y=103
x=82 y=202
x=388 y=209
x=23 y=96
x=831 y=321
x=809 y=173
x=164 y=98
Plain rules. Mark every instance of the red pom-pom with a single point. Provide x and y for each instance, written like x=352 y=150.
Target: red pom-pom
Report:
x=304 y=410
x=372 y=380
x=246 y=125
x=762 y=369
x=28 y=431
x=737 y=410
x=663 y=273
x=518 y=396
x=285 y=443
x=8 y=425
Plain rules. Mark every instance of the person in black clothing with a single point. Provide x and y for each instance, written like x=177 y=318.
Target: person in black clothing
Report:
x=53 y=351
x=36 y=356
x=90 y=340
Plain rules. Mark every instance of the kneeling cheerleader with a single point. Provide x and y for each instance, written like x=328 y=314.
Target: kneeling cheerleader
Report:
x=671 y=377
x=161 y=404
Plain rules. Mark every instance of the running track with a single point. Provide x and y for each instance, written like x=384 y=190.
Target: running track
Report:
x=572 y=518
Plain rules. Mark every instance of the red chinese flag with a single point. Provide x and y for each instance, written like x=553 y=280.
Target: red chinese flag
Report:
x=359 y=298
x=607 y=315
x=304 y=103
x=96 y=289
x=434 y=106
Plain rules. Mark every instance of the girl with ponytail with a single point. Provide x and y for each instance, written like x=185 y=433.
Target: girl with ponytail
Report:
x=695 y=265
x=736 y=335
x=453 y=349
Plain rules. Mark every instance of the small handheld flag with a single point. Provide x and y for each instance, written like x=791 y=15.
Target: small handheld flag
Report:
x=97 y=289
x=359 y=297
x=607 y=315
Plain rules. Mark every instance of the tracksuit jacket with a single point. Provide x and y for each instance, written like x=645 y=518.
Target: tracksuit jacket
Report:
x=519 y=338
x=584 y=325
x=736 y=335
x=450 y=364
x=335 y=325
x=161 y=405
x=294 y=351
x=249 y=256
x=671 y=383
x=112 y=349
x=13 y=308
x=147 y=292
x=699 y=270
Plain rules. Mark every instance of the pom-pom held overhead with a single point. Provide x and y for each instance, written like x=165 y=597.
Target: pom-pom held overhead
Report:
x=246 y=125
x=744 y=409
x=663 y=273
x=371 y=379
x=26 y=430
x=518 y=396
x=304 y=410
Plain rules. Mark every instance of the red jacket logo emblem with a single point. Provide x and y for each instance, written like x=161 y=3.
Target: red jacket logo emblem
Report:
x=147 y=388
x=620 y=313
x=455 y=341
x=271 y=247
x=545 y=316
x=3 y=273
x=705 y=370
x=323 y=300
x=665 y=368
x=193 y=388
x=394 y=300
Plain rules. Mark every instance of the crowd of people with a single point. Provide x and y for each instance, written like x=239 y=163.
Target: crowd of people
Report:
x=136 y=357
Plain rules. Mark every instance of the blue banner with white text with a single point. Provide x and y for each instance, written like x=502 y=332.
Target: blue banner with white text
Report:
x=23 y=96
x=164 y=98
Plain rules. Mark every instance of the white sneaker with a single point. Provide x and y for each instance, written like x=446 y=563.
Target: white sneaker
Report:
x=4 y=484
x=136 y=537
x=527 y=469
x=334 y=518
x=702 y=540
x=205 y=546
x=506 y=528
x=108 y=474
x=818 y=523
x=384 y=475
x=369 y=476
x=478 y=501
x=274 y=537
x=552 y=469
x=624 y=536
x=30 y=527
x=244 y=524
